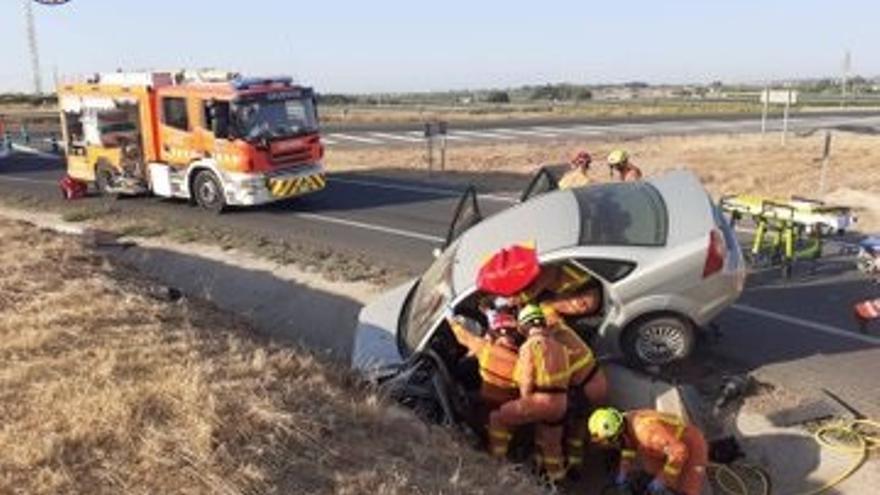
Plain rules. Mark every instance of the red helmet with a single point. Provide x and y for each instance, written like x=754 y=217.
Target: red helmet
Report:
x=581 y=159
x=501 y=320
x=509 y=271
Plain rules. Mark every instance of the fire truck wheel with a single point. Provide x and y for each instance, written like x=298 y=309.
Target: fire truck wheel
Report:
x=104 y=178
x=207 y=192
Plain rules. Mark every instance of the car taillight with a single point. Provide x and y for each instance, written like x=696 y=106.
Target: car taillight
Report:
x=715 y=254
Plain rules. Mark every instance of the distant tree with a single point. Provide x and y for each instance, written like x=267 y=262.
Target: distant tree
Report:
x=636 y=85
x=498 y=97
x=583 y=94
x=336 y=99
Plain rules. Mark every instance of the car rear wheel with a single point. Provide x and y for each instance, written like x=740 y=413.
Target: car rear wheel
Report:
x=207 y=192
x=659 y=340
x=105 y=177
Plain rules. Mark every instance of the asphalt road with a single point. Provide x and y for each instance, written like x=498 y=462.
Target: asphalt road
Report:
x=799 y=333
x=514 y=130
x=553 y=129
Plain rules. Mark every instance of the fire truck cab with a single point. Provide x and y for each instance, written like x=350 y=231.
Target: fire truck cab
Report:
x=216 y=139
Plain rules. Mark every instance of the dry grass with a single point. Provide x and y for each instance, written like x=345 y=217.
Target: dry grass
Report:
x=727 y=164
x=106 y=388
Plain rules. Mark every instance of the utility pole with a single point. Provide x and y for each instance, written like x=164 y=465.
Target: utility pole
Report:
x=847 y=65
x=32 y=44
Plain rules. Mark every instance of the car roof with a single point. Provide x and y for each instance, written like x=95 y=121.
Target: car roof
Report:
x=552 y=222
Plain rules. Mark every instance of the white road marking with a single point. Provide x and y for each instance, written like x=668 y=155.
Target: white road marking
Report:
x=420 y=189
x=421 y=135
x=373 y=227
x=820 y=327
x=590 y=129
x=486 y=135
x=520 y=132
x=359 y=139
x=396 y=137
x=328 y=141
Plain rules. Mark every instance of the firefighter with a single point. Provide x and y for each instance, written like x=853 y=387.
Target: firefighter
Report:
x=618 y=160
x=666 y=447
x=578 y=174
x=541 y=372
x=588 y=388
x=496 y=355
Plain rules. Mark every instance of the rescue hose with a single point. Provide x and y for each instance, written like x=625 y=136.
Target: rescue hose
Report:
x=837 y=437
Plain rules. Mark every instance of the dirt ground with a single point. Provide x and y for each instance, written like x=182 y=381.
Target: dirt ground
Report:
x=108 y=385
x=727 y=164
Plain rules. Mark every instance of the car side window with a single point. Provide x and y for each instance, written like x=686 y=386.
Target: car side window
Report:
x=174 y=113
x=609 y=269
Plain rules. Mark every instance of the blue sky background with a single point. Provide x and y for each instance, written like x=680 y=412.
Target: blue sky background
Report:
x=340 y=45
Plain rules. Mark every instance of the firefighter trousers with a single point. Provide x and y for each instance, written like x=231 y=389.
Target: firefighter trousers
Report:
x=547 y=410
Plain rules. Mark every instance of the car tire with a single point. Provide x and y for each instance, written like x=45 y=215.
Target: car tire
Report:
x=207 y=192
x=658 y=340
x=104 y=173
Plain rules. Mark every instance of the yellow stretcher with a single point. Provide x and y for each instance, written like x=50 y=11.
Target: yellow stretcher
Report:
x=807 y=213
x=787 y=222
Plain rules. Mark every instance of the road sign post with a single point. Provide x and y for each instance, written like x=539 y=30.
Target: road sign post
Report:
x=785 y=119
x=441 y=130
x=429 y=142
x=765 y=109
x=826 y=156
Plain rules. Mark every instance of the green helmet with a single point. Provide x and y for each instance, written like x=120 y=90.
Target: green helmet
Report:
x=530 y=313
x=605 y=423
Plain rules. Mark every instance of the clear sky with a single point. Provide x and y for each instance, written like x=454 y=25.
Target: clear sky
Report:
x=392 y=45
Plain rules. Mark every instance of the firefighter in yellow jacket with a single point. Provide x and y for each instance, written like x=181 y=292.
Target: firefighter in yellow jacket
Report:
x=542 y=374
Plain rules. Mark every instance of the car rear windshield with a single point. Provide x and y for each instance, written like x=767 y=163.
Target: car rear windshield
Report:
x=624 y=214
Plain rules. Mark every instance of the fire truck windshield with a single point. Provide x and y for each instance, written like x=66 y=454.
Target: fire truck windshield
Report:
x=273 y=119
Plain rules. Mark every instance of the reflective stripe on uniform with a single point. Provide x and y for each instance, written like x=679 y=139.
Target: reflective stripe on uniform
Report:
x=499 y=450
x=484 y=358
x=582 y=362
x=575 y=460
x=669 y=420
x=543 y=377
x=575 y=442
x=500 y=434
x=672 y=470
x=628 y=454
x=576 y=279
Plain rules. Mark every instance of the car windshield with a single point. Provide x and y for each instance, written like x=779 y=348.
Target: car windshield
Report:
x=626 y=214
x=432 y=296
x=275 y=118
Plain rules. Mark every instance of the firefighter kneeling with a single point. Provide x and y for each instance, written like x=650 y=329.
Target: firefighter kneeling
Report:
x=542 y=374
x=674 y=452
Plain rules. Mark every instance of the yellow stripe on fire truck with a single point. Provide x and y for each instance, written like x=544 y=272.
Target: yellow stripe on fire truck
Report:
x=283 y=188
